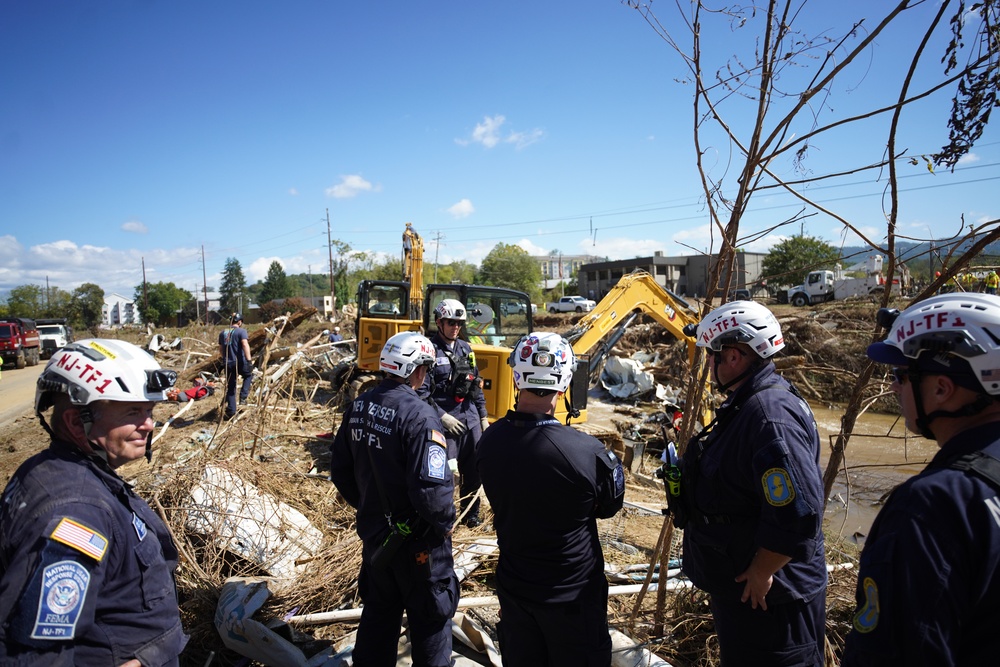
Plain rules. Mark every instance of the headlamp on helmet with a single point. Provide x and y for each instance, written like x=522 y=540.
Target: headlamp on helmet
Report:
x=543 y=360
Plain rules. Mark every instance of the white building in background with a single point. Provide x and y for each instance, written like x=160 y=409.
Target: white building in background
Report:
x=118 y=310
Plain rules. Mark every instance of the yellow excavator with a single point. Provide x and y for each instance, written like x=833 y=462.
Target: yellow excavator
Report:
x=497 y=318
x=597 y=332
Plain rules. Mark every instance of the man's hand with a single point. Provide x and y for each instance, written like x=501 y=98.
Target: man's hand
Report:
x=759 y=576
x=453 y=425
x=484 y=424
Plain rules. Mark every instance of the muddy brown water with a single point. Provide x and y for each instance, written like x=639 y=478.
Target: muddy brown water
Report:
x=880 y=455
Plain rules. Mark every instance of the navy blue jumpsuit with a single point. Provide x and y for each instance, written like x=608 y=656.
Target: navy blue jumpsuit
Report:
x=929 y=582
x=401 y=434
x=470 y=410
x=758 y=484
x=547 y=485
x=86 y=568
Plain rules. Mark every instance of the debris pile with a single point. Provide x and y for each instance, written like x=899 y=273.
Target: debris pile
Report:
x=249 y=503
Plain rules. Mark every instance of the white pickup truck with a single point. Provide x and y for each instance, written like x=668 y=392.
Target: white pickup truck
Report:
x=571 y=304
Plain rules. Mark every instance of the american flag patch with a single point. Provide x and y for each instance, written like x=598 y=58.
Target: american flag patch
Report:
x=81 y=538
x=990 y=375
x=437 y=437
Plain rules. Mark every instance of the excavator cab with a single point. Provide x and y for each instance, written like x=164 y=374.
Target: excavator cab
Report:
x=382 y=313
x=496 y=318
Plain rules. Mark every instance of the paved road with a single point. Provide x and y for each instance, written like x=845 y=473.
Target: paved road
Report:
x=17 y=391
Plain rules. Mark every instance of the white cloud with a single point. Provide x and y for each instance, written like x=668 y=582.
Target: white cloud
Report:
x=968 y=158
x=258 y=268
x=350 y=186
x=135 y=227
x=488 y=133
x=522 y=139
x=531 y=248
x=462 y=209
x=293 y=191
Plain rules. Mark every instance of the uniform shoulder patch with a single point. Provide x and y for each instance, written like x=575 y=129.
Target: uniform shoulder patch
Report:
x=866 y=619
x=778 y=489
x=81 y=538
x=437 y=462
x=64 y=591
x=438 y=437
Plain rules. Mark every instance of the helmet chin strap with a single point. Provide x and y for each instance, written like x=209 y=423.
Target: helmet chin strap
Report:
x=87 y=417
x=924 y=420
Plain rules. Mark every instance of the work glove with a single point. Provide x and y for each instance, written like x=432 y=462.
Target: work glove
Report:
x=453 y=425
x=453 y=466
x=484 y=424
x=246 y=368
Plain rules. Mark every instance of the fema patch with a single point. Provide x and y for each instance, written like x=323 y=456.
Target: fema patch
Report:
x=866 y=619
x=778 y=489
x=64 y=590
x=437 y=462
x=139 y=525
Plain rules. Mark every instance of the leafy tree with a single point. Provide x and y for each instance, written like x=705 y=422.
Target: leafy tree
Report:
x=165 y=299
x=511 y=266
x=57 y=303
x=457 y=272
x=789 y=261
x=26 y=301
x=233 y=290
x=275 y=285
x=87 y=307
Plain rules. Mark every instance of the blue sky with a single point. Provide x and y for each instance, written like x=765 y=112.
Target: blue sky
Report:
x=136 y=132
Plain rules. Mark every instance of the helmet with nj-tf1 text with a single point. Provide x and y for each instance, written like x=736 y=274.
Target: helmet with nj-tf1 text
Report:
x=404 y=352
x=97 y=369
x=542 y=360
x=741 y=322
x=951 y=334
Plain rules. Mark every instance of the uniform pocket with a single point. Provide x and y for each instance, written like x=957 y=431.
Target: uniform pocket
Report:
x=155 y=580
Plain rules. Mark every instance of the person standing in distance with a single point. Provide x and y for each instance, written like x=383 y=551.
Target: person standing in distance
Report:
x=752 y=500
x=455 y=388
x=928 y=588
x=234 y=348
x=86 y=567
x=390 y=462
x=547 y=485
x=335 y=336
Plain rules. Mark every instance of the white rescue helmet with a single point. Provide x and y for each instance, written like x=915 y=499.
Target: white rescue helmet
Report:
x=741 y=322
x=97 y=369
x=404 y=352
x=956 y=333
x=450 y=309
x=542 y=360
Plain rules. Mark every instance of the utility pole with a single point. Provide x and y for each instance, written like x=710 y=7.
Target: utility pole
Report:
x=204 y=278
x=145 y=292
x=329 y=247
x=437 y=247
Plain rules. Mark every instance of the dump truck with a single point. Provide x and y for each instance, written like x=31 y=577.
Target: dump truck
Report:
x=55 y=334
x=19 y=342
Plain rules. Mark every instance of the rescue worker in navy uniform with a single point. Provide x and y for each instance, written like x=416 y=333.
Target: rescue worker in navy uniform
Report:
x=390 y=462
x=455 y=388
x=929 y=580
x=547 y=485
x=86 y=567
x=752 y=500
x=234 y=348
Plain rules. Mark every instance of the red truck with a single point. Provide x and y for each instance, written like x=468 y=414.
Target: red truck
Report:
x=19 y=342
